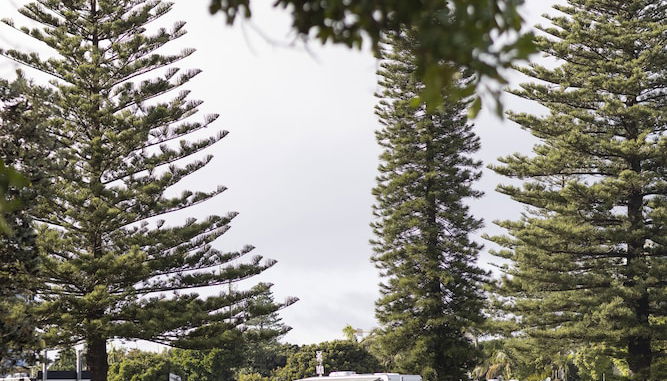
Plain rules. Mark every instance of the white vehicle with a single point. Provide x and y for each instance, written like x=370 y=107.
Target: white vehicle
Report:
x=353 y=376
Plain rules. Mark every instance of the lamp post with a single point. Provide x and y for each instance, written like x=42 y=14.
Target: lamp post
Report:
x=78 y=365
x=320 y=366
x=44 y=365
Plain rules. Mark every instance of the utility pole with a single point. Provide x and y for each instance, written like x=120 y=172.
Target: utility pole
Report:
x=44 y=365
x=78 y=365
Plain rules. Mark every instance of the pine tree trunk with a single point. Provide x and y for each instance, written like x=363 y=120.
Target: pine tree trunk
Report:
x=640 y=354
x=639 y=346
x=98 y=364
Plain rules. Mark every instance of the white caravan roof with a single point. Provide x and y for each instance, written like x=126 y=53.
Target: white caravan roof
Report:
x=351 y=376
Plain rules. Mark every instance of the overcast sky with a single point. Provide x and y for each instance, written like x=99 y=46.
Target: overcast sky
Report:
x=301 y=157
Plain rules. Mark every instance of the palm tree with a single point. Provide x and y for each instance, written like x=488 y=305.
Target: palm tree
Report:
x=498 y=364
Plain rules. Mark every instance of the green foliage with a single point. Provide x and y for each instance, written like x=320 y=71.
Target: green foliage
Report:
x=337 y=355
x=66 y=360
x=532 y=360
x=253 y=351
x=374 y=345
x=252 y=377
x=212 y=365
x=431 y=292
x=350 y=333
x=9 y=178
x=217 y=364
x=12 y=108
x=659 y=370
x=22 y=145
x=594 y=362
x=111 y=268
x=478 y=35
x=263 y=353
x=589 y=255
x=497 y=362
x=519 y=358
x=139 y=366
x=265 y=357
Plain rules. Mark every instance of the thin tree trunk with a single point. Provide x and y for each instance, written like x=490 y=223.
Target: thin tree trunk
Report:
x=640 y=355
x=98 y=362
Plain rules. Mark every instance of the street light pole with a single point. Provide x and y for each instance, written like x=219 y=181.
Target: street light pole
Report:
x=78 y=365
x=44 y=365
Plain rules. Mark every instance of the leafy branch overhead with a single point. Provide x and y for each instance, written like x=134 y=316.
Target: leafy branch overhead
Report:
x=448 y=35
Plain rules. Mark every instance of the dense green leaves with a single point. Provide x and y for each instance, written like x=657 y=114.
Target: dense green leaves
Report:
x=138 y=366
x=9 y=178
x=66 y=360
x=589 y=255
x=263 y=353
x=337 y=355
x=22 y=145
x=431 y=290
x=478 y=35
x=111 y=268
x=228 y=363
x=252 y=377
x=212 y=365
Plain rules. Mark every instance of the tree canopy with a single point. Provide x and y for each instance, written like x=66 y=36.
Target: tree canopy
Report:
x=218 y=364
x=111 y=267
x=23 y=112
x=588 y=257
x=431 y=286
x=337 y=355
x=480 y=36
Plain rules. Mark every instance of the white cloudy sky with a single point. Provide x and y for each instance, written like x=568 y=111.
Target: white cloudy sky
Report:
x=300 y=159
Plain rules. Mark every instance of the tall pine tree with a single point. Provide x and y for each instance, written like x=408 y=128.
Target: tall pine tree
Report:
x=589 y=256
x=23 y=113
x=263 y=351
x=111 y=267
x=431 y=291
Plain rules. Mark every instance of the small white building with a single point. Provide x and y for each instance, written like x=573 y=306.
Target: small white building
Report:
x=353 y=376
